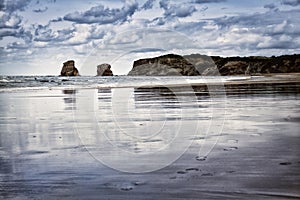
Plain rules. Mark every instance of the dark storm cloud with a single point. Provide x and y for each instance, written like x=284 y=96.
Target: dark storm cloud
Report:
x=291 y=2
x=208 y=1
x=177 y=10
x=101 y=15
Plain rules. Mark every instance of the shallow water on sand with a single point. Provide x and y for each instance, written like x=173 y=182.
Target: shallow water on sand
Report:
x=81 y=143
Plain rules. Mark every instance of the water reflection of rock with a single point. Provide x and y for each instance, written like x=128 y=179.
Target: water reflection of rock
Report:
x=70 y=99
x=152 y=97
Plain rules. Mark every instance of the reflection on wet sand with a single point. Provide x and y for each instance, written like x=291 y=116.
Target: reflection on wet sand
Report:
x=70 y=99
x=50 y=141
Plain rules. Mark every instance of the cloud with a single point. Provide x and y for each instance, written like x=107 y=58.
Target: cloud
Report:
x=177 y=10
x=148 y=5
x=259 y=20
x=14 y=5
x=46 y=34
x=270 y=6
x=11 y=21
x=146 y=50
x=282 y=42
x=291 y=2
x=208 y=1
x=40 y=10
x=101 y=15
x=251 y=32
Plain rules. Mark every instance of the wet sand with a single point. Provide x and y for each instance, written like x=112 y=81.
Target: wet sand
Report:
x=49 y=150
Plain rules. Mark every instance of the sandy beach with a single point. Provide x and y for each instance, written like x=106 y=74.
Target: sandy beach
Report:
x=53 y=143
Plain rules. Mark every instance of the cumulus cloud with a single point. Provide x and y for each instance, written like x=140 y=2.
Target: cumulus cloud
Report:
x=46 y=34
x=101 y=15
x=11 y=21
x=291 y=2
x=177 y=10
x=259 y=20
x=258 y=31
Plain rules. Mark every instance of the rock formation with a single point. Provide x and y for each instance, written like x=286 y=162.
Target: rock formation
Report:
x=166 y=65
x=69 y=69
x=255 y=65
x=104 y=70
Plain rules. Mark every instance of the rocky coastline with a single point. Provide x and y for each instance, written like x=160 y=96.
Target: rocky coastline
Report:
x=197 y=64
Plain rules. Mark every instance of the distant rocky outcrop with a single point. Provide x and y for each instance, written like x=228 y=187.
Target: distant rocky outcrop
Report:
x=253 y=65
x=197 y=64
x=166 y=65
x=69 y=69
x=104 y=70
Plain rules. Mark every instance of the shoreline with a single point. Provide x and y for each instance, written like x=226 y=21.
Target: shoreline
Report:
x=187 y=81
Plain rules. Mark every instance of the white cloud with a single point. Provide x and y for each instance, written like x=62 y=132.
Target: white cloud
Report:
x=80 y=35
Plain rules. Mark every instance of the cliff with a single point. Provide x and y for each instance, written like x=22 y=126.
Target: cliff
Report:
x=69 y=69
x=197 y=64
x=166 y=65
x=254 y=65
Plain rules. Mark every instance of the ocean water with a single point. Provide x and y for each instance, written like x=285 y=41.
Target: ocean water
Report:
x=8 y=83
x=158 y=137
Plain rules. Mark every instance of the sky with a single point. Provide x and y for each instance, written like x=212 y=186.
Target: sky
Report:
x=37 y=36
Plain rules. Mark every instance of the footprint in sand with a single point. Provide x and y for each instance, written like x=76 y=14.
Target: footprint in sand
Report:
x=232 y=141
x=207 y=174
x=201 y=158
x=192 y=169
x=127 y=188
x=187 y=170
x=230 y=148
x=285 y=163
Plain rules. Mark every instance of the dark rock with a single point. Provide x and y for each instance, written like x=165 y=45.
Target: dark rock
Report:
x=256 y=65
x=104 y=70
x=197 y=64
x=69 y=69
x=166 y=65
x=204 y=64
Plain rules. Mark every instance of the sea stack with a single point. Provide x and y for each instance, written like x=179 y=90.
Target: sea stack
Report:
x=69 y=69
x=104 y=70
x=166 y=65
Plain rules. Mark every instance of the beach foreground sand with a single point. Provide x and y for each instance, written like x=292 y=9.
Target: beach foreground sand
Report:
x=49 y=150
